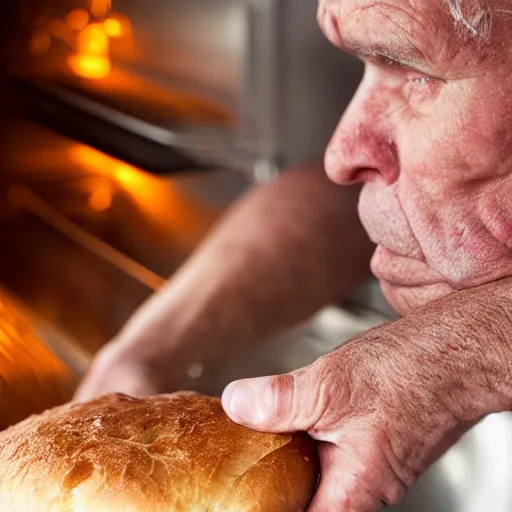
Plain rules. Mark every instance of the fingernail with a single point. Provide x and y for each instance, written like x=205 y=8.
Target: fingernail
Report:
x=240 y=400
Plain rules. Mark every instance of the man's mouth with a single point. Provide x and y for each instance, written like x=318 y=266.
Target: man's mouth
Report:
x=403 y=271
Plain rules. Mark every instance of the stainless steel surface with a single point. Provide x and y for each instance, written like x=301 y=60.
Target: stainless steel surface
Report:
x=267 y=60
x=198 y=44
x=474 y=476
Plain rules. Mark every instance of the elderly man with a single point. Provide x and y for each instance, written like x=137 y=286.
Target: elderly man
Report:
x=429 y=135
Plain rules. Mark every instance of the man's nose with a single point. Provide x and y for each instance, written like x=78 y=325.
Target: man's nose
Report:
x=361 y=149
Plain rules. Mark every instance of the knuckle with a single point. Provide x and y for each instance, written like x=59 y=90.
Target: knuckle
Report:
x=279 y=398
x=330 y=392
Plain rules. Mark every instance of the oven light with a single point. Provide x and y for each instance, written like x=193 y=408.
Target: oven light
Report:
x=40 y=42
x=113 y=27
x=91 y=59
x=100 y=200
x=59 y=30
x=124 y=174
x=147 y=191
x=77 y=19
x=91 y=159
x=89 y=66
x=93 y=41
x=100 y=8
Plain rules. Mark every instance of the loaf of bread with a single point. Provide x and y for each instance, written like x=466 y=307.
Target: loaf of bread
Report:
x=32 y=378
x=173 y=453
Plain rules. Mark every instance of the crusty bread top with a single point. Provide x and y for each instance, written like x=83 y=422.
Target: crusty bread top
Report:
x=32 y=378
x=170 y=453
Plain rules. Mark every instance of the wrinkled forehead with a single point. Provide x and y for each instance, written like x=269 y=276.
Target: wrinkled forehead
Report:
x=463 y=10
x=472 y=16
x=444 y=29
x=455 y=15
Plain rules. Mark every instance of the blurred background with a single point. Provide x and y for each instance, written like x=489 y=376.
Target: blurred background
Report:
x=129 y=127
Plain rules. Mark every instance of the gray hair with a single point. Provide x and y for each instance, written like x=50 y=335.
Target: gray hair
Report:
x=472 y=16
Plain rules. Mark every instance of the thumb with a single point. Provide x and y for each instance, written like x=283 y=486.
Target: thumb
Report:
x=283 y=403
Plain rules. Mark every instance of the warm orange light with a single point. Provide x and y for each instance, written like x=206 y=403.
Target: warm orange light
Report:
x=113 y=27
x=92 y=41
x=88 y=66
x=100 y=8
x=158 y=200
x=100 y=200
x=127 y=175
x=145 y=189
x=124 y=174
x=60 y=30
x=77 y=19
x=40 y=42
x=90 y=158
x=91 y=59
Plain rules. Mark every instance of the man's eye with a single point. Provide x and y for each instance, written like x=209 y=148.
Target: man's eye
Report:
x=419 y=88
x=420 y=80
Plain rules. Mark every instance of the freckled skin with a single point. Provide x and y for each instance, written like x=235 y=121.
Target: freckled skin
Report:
x=435 y=160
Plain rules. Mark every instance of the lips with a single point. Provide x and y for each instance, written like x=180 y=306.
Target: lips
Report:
x=402 y=270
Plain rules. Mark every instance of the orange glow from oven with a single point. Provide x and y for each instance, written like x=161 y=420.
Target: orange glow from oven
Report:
x=93 y=41
x=59 y=30
x=117 y=25
x=100 y=200
x=90 y=158
x=40 y=42
x=158 y=200
x=113 y=27
x=140 y=185
x=145 y=189
x=92 y=59
x=127 y=175
x=100 y=8
x=89 y=66
x=77 y=19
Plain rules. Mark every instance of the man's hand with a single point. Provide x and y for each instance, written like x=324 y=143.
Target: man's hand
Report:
x=379 y=428
x=116 y=370
x=388 y=404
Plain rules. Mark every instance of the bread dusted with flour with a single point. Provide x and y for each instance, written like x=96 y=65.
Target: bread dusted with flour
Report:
x=178 y=453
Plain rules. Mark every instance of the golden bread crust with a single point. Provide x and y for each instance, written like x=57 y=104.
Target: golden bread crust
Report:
x=177 y=453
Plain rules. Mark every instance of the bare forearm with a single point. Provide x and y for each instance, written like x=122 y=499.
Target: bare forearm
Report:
x=465 y=346
x=283 y=252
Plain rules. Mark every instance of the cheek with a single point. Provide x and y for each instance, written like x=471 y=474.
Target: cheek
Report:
x=463 y=137
x=462 y=230
x=450 y=162
x=495 y=210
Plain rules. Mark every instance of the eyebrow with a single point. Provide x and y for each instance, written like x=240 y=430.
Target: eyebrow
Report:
x=401 y=52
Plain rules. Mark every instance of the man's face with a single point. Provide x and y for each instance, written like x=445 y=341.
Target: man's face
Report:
x=430 y=133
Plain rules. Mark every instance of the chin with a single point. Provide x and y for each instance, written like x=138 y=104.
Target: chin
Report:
x=407 y=299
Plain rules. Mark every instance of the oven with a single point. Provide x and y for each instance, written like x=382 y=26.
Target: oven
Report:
x=245 y=84
x=130 y=127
